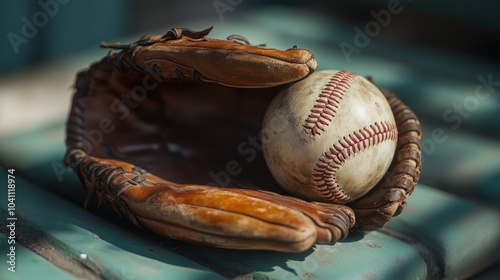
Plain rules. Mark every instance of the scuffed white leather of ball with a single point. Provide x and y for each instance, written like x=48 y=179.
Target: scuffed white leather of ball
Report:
x=330 y=137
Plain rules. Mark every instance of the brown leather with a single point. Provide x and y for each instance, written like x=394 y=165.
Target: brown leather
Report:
x=154 y=127
x=195 y=57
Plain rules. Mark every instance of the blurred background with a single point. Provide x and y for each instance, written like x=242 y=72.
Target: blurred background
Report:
x=464 y=29
x=441 y=57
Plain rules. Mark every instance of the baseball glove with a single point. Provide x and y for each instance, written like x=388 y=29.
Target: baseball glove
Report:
x=166 y=132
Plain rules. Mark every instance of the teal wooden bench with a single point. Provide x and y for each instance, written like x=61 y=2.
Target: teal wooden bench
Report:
x=449 y=230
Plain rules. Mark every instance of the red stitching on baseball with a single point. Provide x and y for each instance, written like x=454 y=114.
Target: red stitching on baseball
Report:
x=328 y=101
x=326 y=167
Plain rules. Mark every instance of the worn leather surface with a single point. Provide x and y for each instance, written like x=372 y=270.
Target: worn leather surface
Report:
x=166 y=132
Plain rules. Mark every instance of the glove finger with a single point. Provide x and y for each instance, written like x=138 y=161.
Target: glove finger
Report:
x=331 y=221
x=224 y=219
x=200 y=214
x=181 y=55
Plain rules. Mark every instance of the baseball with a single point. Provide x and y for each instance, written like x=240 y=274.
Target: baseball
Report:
x=330 y=137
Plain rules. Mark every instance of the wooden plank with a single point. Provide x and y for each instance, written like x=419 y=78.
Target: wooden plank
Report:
x=461 y=163
x=463 y=236
x=27 y=265
x=375 y=255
